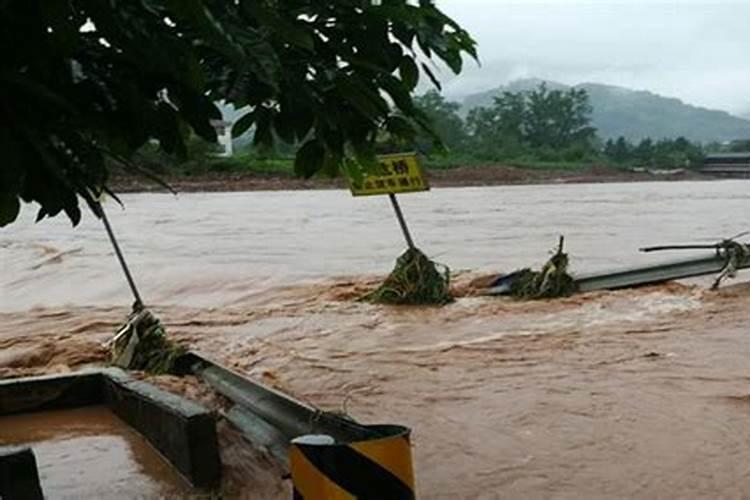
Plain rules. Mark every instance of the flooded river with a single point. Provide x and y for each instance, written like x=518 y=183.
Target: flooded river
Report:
x=619 y=394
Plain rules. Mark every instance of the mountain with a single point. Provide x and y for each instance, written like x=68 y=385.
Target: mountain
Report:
x=637 y=114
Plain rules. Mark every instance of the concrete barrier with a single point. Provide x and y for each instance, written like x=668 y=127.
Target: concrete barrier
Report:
x=19 y=478
x=181 y=430
x=50 y=392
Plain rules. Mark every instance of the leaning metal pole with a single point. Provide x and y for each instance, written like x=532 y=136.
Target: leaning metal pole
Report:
x=401 y=220
x=138 y=302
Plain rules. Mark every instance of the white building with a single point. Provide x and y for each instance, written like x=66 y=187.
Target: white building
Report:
x=224 y=136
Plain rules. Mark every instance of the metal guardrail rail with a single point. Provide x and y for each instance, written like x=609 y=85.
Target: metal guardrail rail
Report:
x=656 y=273
x=269 y=417
x=637 y=276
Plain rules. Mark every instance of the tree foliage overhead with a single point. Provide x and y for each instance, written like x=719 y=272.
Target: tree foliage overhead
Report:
x=84 y=83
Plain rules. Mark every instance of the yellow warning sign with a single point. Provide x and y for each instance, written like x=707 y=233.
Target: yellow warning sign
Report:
x=397 y=173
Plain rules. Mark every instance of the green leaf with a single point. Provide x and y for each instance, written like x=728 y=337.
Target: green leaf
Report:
x=331 y=163
x=364 y=152
x=409 y=72
x=290 y=31
x=400 y=127
x=261 y=59
x=294 y=34
x=399 y=93
x=244 y=123
x=57 y=16
x=432 y=76
x=310 y=158
x=284 y=125
x=362 y=98
x=37 y=91
x=167 y=128
x=195 y=13
x=73 y=212
x=304 y=120
x=353 y=171
x=452 y=58
x=198 y=111
x=263 y=132
x=9 y=208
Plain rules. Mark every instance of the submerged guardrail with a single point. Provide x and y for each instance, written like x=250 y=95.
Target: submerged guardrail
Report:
x=330 y=456
x=289 y=417
x=637 y=276
x=655 y=273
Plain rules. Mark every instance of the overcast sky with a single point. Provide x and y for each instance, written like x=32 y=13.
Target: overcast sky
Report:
x=698 y=51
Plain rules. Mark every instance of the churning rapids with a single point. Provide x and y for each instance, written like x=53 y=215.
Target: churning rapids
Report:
x=615 y=394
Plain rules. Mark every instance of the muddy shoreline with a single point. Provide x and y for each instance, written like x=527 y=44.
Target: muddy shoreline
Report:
x=474 y=176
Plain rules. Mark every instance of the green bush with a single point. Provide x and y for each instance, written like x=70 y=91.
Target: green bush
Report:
x=224 y=165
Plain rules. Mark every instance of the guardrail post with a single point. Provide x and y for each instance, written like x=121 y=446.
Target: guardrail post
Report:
x=378 y=468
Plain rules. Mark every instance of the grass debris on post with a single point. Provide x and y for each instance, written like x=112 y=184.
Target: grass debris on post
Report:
x=551 y=282
x=415 y=280
x=142 y=344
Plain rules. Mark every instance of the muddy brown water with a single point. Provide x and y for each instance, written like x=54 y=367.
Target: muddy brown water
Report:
x=612 y=394
x=90 y=453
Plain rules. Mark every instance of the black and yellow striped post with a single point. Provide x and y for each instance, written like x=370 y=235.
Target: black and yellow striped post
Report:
x=379 y=468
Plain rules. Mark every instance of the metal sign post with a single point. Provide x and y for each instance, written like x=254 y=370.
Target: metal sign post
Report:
x=401 y=220
x=397 y=173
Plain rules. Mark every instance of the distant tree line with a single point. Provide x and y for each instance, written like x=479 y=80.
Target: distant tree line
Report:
x=673 y=153
x=544 y=125
x=739 y=146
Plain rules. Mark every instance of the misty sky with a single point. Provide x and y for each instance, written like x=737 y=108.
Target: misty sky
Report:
x=698 y=51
